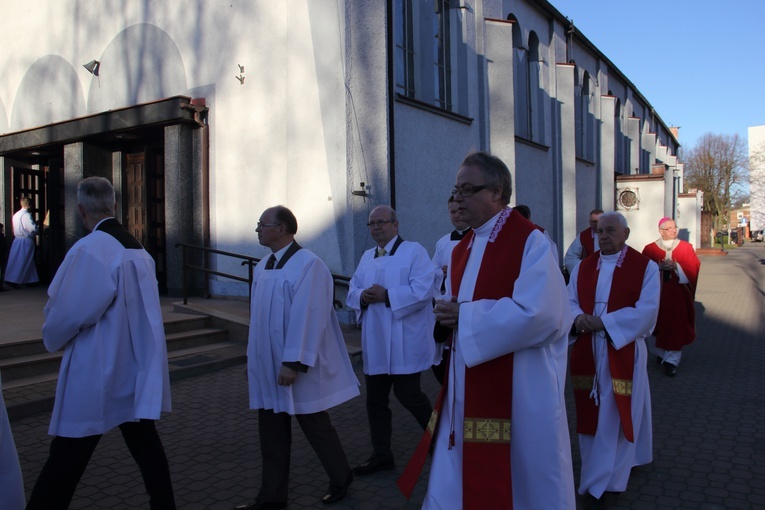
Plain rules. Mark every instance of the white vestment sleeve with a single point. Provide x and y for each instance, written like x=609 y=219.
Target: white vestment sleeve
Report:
x=78 y=296
x=355 y=288
x=312 y=303
x=627 y=324
x=418 y=291
x=537 y=315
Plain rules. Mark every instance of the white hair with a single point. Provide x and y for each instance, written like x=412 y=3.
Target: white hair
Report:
x=613 y=214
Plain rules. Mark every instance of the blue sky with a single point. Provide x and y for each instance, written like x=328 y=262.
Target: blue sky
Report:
x=700 y=63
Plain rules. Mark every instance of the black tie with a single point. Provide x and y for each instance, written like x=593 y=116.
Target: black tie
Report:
x=271 y=262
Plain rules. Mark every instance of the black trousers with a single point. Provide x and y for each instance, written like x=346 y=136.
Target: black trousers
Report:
x=276 y=441
x=69 y=456
x=406 y=387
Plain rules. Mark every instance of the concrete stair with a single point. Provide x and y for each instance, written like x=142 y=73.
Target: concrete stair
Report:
x=196 y=344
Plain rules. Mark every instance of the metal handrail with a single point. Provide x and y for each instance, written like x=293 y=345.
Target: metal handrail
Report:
x=339 y=280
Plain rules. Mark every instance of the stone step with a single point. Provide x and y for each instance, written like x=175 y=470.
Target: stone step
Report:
x=35 y=394
x=194 y=347
x=29 y=365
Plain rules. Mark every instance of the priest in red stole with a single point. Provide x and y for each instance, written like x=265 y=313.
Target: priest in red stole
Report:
x=614 y=297
x=679 y=268
x=500 y=432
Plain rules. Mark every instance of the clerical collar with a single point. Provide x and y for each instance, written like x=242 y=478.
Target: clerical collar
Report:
x=617 y=257
x=457 y=235
x=95 y=227
x=485 y=229
x=279 y=254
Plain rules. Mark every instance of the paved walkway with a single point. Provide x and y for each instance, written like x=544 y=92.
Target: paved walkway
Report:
x=709 y=424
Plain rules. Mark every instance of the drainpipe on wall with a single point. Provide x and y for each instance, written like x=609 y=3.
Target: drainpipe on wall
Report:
x=391 y=107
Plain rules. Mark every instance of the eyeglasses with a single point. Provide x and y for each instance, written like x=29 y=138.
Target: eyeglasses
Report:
x=668 y=228
x=379 y=223
x=261 y=225
x=467 y=190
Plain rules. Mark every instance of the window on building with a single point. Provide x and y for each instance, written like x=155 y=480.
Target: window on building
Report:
x=442 y=62
x=536 y=93
x=618 y=138
x=430 y=56
x=528 y=86
x=585 y=119
x=404 y=51
x=521 y=82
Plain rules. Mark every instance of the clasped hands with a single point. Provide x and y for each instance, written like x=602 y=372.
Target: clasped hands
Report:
x=667 y=265
x=447 y=312
x=588 y=323
x=374 y=294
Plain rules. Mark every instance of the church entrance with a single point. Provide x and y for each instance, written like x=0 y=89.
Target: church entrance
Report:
x=144 y=196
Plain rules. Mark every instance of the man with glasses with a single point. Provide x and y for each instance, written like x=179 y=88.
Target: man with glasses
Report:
x=297 y=362
x=500 y=429
x=391 y=292
x=679 y=265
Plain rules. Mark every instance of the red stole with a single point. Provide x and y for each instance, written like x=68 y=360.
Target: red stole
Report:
x=486 y=477
x=588 y=242
x=626 y=286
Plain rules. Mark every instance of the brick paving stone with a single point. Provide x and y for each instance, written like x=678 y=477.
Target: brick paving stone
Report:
x=708 y=425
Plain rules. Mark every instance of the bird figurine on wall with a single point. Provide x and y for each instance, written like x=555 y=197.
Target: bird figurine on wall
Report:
x=241 y=68
x=240 y=78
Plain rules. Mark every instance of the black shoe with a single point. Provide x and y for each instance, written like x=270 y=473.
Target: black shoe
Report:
x=335 y=494
x=374 y=465
x=259 y=504
x=659 y=361
x=593 y=503
x=670 y=370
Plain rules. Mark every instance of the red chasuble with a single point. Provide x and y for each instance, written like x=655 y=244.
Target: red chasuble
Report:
x=486 y=477
x=626 y=286
x=588 y=242
x=676 y=325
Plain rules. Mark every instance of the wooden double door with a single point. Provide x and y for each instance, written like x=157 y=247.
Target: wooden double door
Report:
x=144 y=196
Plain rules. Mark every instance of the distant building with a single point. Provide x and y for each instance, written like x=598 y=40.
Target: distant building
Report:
x=757 y=176
x=203 y=116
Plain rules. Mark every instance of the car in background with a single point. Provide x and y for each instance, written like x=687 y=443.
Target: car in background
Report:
x=757 y=236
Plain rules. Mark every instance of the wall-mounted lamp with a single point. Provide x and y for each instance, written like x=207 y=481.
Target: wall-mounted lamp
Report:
x=92 y=67
x=360 y=193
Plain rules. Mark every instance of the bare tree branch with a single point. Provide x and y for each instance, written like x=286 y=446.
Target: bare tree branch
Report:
x=719 y=166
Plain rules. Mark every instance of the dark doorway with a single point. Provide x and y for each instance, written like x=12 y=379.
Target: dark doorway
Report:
x=144 y=195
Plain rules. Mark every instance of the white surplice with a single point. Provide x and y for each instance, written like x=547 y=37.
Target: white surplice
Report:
x=607 y=457
x=11 y=482
x=534 y=325
x=292 y=319
x=104 y=310
x=21 y=267
x=441 y=257
x=396 y=339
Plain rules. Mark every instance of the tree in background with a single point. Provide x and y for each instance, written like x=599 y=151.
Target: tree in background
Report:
x=719 y=166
